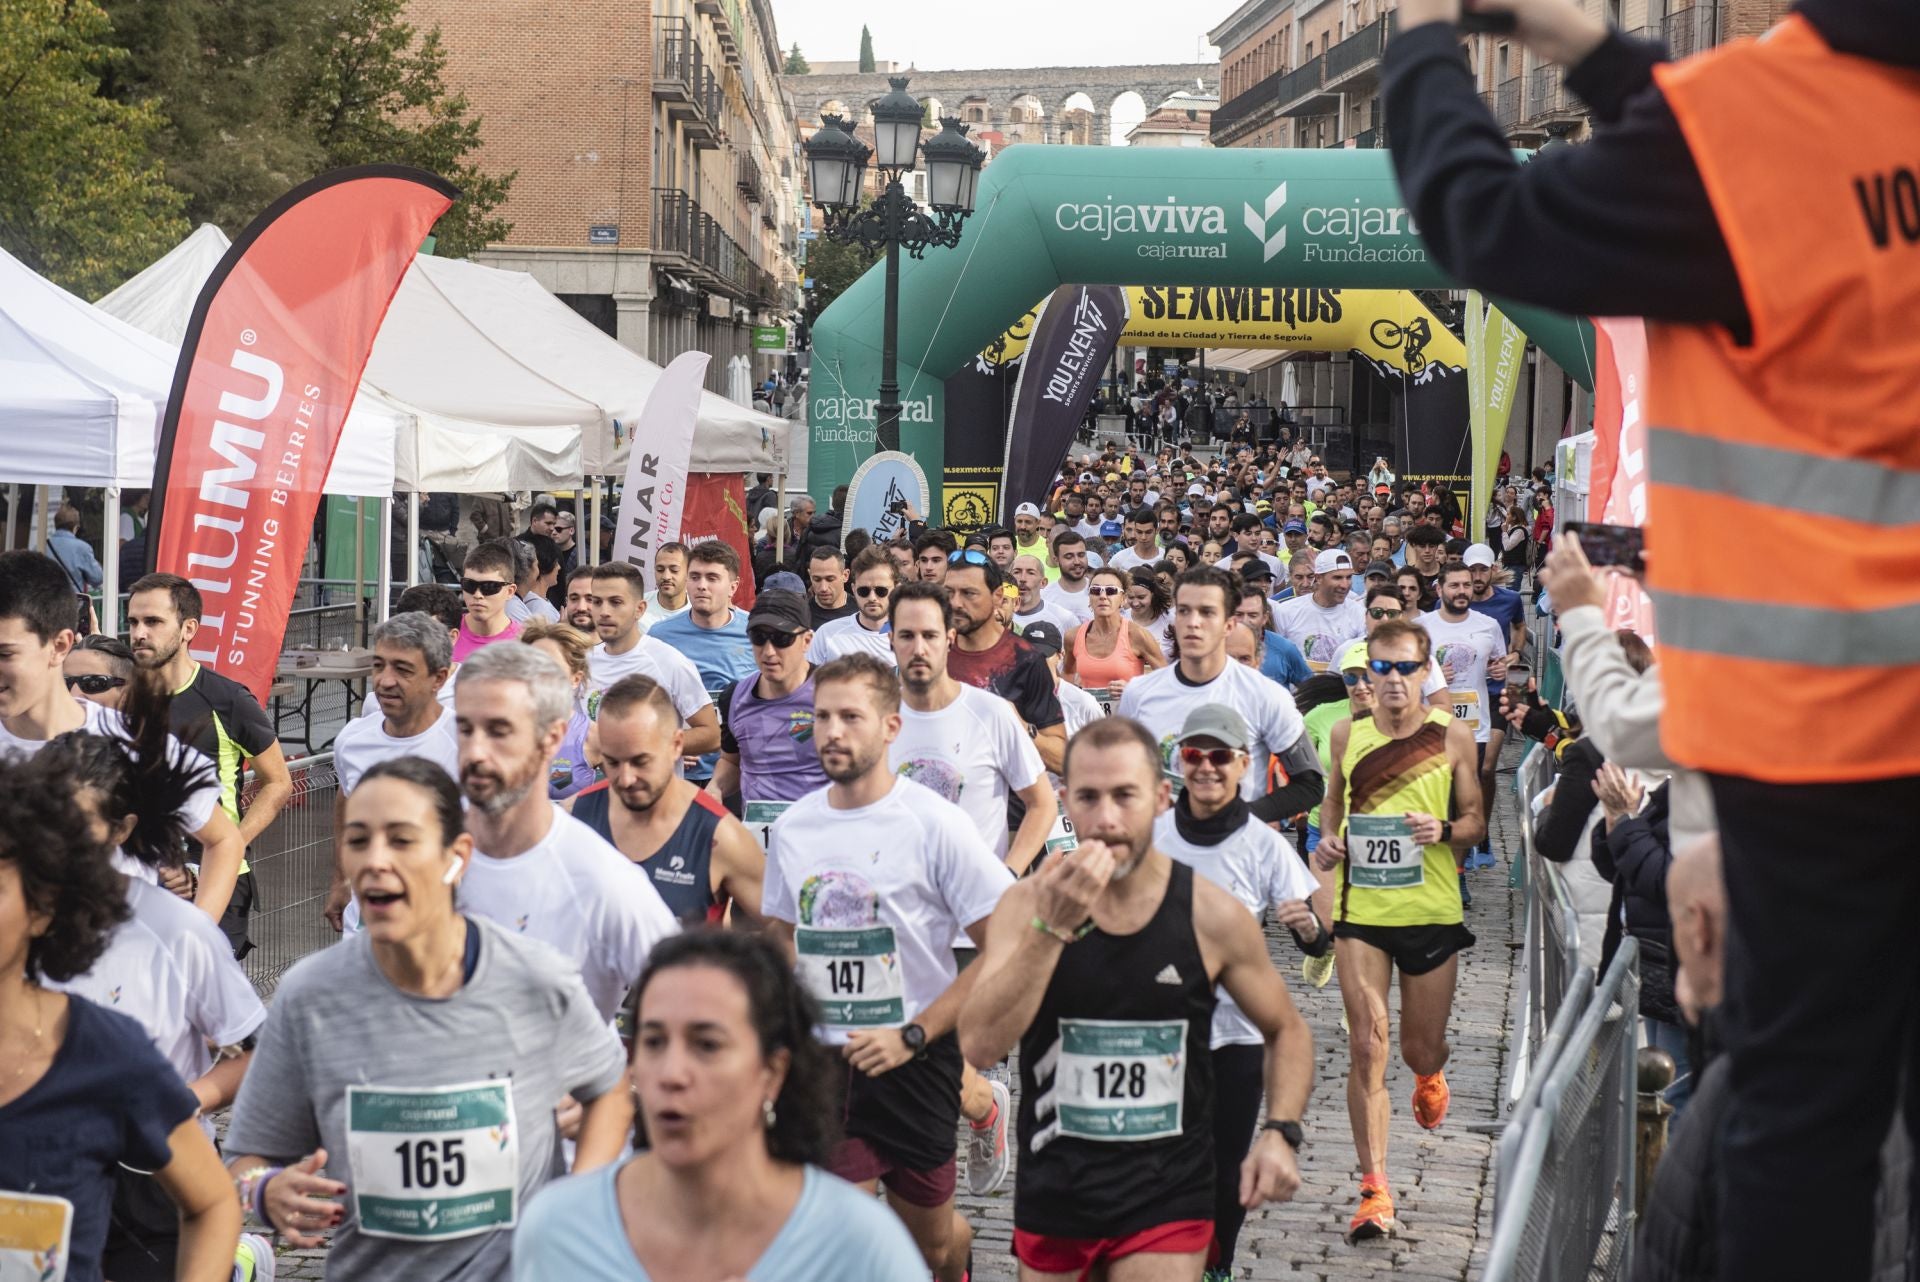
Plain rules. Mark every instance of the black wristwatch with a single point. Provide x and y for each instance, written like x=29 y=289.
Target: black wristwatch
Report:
x=1292 y=1132
x=916 y=1039
x=1446 y=831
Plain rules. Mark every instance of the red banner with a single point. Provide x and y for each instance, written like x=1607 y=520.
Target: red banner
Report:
x=716 y=508
x=268 y=370
x=1618 y=489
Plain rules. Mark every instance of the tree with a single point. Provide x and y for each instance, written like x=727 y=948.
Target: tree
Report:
x=833 y=267
x=866 y=49
x=375 y=92
x=83 y=198
x=797 y=64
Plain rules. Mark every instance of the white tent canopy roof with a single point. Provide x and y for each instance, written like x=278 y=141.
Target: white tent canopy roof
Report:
x=477 y=342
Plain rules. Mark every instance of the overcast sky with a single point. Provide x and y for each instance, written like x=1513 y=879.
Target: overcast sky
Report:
x=1004 y=33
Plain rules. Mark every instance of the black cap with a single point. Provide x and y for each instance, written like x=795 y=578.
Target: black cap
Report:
x=1042 y=636
x=1254 y=570
x=780 y=611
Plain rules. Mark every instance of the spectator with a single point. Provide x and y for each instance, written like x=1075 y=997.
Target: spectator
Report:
x=133 y=513
x=72 y=552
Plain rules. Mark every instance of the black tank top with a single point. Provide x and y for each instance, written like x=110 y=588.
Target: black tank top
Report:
x=1122 y=1065
x=682 y=869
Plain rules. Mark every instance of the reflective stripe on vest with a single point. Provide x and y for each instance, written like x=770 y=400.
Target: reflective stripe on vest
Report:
x=1793 y=634
x=1809 y=484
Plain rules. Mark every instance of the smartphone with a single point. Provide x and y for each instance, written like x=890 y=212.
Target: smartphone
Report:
x=1518 y=674
x=1619 y=547
x=1486 y=22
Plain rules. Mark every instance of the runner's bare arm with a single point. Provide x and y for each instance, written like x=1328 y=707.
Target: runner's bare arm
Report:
x=298 y=1195
x=1052 y=746
x=781 y=932
x=702 y=733
x=1014 y=965
x=1146 y=647
x=1333 y=811
x=209 y=1212
x=874 y=1051
x=1471 y=826
x=1031 y=837
x=738 y=871
x=605 y=1129
x=217 y=1087
x=269 y=766
x=726 y=776
x=338 y=892
x=221 y=853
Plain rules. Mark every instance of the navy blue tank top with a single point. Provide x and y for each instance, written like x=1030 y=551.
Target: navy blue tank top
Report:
x=682 y=869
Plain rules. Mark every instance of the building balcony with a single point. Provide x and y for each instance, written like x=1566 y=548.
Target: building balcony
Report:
x=1302 y=91
x=1548 y=102
x=1690 y=30
x=1507 y=100
x=685 y=84
x=746 y=174
x=1366 y=138
x=683 y=231
x=1354 y=63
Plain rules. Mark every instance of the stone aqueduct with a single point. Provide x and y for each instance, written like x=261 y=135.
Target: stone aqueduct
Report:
x=1024 y=104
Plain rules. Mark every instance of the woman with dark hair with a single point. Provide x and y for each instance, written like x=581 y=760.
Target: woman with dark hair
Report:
x=98 y=669
x=735 y=1100
x=404 y=1090
x=168 y=965
x=82 y=1090
x=1149 y=605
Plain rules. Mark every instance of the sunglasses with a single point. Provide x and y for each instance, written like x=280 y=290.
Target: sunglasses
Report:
x=96 y=683
x=1102 y=589
x=482 y=587
x=1218 y=758
x=968 y=556
x=1377 y=613
x=1355 y=679
x=1405 y=667
x=767 y=636
x=870 y=591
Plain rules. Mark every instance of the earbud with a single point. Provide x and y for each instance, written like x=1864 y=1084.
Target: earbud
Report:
x=452 y=874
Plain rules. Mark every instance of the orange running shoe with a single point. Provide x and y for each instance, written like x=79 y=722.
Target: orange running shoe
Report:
x=1430 y=1099
x=1375 y=1216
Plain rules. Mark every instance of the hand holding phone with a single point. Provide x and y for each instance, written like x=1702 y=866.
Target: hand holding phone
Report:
x=1619 y=547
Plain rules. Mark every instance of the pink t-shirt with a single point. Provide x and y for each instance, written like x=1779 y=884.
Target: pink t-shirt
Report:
x=468 y=642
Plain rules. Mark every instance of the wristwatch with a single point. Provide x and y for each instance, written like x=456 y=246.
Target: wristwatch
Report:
x=1446 y=831
x=1292 y=1132
x=916 y=1039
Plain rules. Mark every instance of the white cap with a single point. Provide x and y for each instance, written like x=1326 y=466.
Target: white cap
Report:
x=1480 y=554
x=1028 y=509
x=1330 y=560
x=1196 y=488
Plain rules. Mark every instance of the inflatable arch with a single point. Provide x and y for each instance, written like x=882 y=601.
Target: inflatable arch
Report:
x=1046 y=216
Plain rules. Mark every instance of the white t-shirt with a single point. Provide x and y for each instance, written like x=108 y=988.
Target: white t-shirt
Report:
x=170 y=967
x=577 y=894
x=1273 y=563
x=910 y=863
x=1076 y=605
x=1079 y=708
x=364 y=743
x=1088 y=529
x=655 y=612
x=539 y=608
x=1126 y=559
x=1160 y=701
x=1320 y=631
x=1258 y=867
x=370 y=706
x=973 y=752
x=1047 y=613
x=839 y=637
x=1465 y=648
x=674 y=671
x=1160 y=629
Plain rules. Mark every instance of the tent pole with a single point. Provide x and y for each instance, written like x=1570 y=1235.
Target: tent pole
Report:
x=360 y=568
x=593 y=520
x=110 y=563
x=13 y=513
x=413 y=537
x=384 y=576
x=585 y=550
x=39 y=518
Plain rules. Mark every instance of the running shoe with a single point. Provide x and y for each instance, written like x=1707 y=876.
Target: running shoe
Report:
x=1217 y=1275
x=1375 y=1216
x=1317 y=970
x=1430 y=1099
x=253 y=1259
x=987 y=1155
x=1466 y=895
x=1482 y=857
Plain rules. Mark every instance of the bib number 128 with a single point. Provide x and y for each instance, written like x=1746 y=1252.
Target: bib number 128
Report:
x=1121 y=1079
x=427 y=1164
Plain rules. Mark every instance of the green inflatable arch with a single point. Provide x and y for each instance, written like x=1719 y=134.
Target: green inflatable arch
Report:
x=1048 y=216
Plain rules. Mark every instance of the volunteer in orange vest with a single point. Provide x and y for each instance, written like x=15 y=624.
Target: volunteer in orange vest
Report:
x=1760 y=204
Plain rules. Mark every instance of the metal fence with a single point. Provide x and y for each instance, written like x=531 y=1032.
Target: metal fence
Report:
x=292 y=864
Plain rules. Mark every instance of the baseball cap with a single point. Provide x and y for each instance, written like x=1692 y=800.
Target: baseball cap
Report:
x=1195 y=489
x=1042 y=636
x=1383 y=488
x=1254 y=570
x=1028 y=509
x=1294 y=527
x=1331 y=560
x=784 y=581
x=781 y=611
x=1263 y=506
x=1479 y=554
x=1354 y=656
x=1218 y=722
x=1385 y=569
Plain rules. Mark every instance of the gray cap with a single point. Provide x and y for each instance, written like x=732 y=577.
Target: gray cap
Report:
x=1218 y=722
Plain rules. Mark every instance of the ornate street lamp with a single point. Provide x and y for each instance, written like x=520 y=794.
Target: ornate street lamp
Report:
x=836 y=168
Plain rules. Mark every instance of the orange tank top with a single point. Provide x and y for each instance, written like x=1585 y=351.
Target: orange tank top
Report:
x=1098 y=672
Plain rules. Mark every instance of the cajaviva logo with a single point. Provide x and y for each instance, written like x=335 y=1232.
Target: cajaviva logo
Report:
x=1257 y=223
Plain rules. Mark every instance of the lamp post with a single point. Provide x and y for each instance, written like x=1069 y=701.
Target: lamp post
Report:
x=836 y=170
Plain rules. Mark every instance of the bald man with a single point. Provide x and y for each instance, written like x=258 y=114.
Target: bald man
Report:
x=1030 y=576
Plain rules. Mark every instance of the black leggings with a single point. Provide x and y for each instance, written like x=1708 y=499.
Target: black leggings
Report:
x=1237 y=1091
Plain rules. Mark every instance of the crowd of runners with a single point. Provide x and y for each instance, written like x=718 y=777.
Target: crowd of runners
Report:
x=667 y=939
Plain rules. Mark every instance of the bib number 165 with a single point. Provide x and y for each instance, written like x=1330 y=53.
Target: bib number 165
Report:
x=428 y=1163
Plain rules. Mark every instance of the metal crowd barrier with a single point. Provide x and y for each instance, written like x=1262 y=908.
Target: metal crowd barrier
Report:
x=292 y=864
x=1564 y=1210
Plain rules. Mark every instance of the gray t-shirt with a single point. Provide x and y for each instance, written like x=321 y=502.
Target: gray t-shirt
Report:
x=524 y=1018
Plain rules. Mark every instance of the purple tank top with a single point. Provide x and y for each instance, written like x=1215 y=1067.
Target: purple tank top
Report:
x=777 y=757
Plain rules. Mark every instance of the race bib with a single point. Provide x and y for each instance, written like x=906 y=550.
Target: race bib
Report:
x=854 y=974
x=759 y=816
x=1382 y=854
x=1466 y=707
x=1061 y=836
x=34 y=1235
x=1121 y=1082
x=431 y=1164
x=1103 y=697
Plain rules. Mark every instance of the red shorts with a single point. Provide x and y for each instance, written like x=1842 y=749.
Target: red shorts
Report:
x=1078 y=1255
x=857 y=1161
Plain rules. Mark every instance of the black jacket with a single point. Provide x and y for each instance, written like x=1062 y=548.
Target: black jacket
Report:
x=1635 y=857
x=1556 y=834
x=823 y=532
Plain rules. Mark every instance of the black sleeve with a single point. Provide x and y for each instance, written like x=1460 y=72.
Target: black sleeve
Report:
x=1612 y=74
x=1619 y=226
x=1036 y=701
x=723 y=705
x=1557 y=833
x=1302 y=793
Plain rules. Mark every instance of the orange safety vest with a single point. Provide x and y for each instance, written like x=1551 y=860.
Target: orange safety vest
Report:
x=1784 y=494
